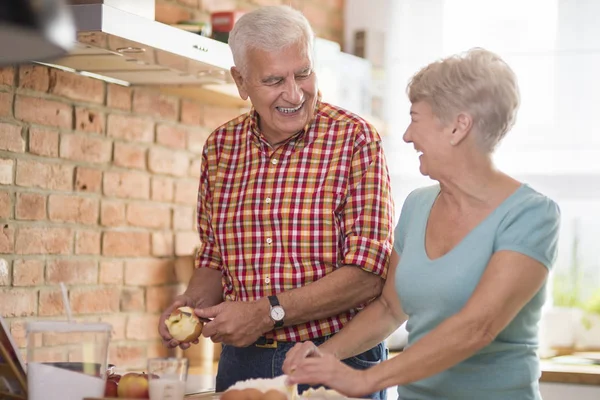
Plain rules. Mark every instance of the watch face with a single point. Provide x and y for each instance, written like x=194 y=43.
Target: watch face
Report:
x=277 y=313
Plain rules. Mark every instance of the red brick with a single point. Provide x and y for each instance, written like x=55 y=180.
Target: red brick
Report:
x=162 y=244
x=19 y=333
x=43 y=142
x=51 y=303
x=118 y=323
x=31 y=206
x=186 y=243
x=119 y=97
x=169 y=13
x=111 y=272
x=76 y=87
x=129 y=155
x=88 y=180
x=5 y=205
x=112 y=213
x=149 y=272
x=87 y=242
x=183 y=219
x=10 y=138
x=184 y=268
x=87 y=120
x=160 y=297
x=7 y=239
x=189 y=3
x=81 y=210
x=45 y=176
x=44 y=241
x=194 y=169
x=6 y=171
x=216 y=116
x=148 y=216
x=164 y=161
x=5 y=272
x=28 y=272
x=71 y=271
x=7 y=76
x=18 y=302
x=138 y=327
x=192 y=113
x=129 y=185
x=162 y=189
x=134 y=356
x=125 y=244
x=44 y=112
x=130 y=128
x=171 y=136
x=132 y=299
x=85 y=148
x=186 y=192
x=218 y=5
x=157 y=350
x=196 y=139
x=155 y=104
x=6 y=104
x=94 y=300
x=34 y=77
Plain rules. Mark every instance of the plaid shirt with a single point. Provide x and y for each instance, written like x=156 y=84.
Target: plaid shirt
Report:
x=277 y=219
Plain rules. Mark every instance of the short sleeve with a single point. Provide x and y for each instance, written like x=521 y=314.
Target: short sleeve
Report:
x=531 y=228
x=403 y=222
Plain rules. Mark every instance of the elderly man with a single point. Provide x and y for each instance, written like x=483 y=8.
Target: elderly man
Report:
x=295 y=213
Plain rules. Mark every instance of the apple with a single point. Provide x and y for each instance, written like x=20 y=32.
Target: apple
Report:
x=134 y=386
x=184 y=325
x=111 y=388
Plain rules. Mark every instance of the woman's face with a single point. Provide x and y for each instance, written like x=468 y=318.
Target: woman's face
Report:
x=429 y=137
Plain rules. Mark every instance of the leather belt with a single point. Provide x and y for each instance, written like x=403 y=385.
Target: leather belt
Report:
x=266 y=343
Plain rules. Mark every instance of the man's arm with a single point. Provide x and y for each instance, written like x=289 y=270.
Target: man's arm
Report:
x=204 y=287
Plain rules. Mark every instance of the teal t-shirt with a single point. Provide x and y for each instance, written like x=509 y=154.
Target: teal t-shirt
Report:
x=432 y=290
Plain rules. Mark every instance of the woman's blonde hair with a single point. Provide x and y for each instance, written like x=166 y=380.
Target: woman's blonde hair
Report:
x=478 y=82
x=269 y=28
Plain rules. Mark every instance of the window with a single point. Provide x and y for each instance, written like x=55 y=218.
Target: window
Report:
x=554 y=48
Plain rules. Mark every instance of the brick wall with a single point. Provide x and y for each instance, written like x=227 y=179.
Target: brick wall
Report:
x=98 y=186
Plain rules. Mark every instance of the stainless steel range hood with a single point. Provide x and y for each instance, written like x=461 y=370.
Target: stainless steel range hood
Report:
x=124 y=47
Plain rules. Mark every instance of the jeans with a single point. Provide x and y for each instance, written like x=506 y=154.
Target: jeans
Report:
x=241 y=363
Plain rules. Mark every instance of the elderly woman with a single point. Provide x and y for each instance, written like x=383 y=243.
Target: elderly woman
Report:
x=471 y=255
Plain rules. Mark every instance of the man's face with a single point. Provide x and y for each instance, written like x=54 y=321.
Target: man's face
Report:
x=282 y=87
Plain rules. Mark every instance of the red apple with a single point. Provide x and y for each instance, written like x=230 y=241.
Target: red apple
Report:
x=111 y=388
x=184 y=325
x=134 y=386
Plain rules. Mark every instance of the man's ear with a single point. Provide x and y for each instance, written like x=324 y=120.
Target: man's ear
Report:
x=462 y=127
x=239 y=82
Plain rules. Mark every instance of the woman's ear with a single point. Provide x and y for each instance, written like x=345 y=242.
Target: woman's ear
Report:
x=239 y=82
x=462 y=127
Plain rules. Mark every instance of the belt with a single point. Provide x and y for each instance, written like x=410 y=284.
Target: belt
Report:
x=266 y=343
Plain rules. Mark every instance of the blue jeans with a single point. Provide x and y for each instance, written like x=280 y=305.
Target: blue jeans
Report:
x=241 y=363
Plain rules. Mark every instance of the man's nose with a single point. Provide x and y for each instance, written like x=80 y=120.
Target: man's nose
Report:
x=406 y=136
x=293 y=92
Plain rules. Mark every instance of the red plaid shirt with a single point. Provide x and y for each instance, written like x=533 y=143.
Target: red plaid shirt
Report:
x=274 y=220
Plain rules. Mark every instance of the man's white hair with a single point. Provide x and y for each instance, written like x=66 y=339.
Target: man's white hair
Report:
x=271 y=29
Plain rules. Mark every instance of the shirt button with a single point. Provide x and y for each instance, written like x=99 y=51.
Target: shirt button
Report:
x=268 y=200
x=269 y=240
x=274 y=161
x=267 y=280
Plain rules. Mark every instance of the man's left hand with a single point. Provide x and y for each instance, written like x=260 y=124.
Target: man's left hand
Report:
x=235 y=323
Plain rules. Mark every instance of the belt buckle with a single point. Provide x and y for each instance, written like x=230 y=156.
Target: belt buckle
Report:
x=269 y=344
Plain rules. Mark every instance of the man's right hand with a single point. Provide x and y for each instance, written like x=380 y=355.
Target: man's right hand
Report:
x=182 y=300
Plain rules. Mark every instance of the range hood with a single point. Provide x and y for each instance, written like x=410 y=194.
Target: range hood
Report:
x=119 y=45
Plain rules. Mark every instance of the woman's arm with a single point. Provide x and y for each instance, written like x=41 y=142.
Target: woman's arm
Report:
x=509 y=282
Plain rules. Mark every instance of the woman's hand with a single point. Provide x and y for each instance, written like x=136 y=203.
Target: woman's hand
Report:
x=326 y=370
x=298 y=354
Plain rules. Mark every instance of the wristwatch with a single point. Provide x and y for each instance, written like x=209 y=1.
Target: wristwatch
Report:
x=276 y=312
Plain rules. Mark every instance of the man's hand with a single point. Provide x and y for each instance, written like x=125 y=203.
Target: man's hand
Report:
x=329 y=371
x=236 y=323
x=180 y=301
